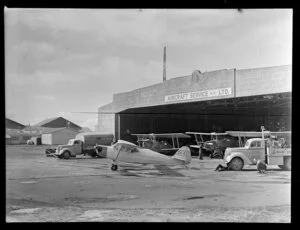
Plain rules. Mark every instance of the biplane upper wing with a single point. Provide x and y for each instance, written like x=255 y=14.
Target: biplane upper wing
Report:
x=248 y=133
x=198 y=133
x=281 y=133
x=166 y=135
x=144 y=135
x=212 y=133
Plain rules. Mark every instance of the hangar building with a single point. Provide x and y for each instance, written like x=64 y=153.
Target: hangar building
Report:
x=215 y=101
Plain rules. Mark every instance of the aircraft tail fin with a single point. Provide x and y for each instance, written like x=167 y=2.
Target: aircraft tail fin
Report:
x=183 y=154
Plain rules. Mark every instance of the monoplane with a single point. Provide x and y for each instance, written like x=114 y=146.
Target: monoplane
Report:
x=127 y=152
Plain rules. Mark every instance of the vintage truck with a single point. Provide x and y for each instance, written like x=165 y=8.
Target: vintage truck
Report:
x=83 y=143
x=266 y=150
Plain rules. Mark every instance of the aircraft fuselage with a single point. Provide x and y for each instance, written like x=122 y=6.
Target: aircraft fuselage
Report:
x=141 y=156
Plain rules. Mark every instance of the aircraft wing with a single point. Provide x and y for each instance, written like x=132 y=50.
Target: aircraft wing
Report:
x=213 y=133
x=281 y=133
x=141 y=135
x=166 y=135
x=198 y=133
x=247 y=133
x=179 y=135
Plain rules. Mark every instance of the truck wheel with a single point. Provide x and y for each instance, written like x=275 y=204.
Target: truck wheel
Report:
x=236 y=164
x=66 y=155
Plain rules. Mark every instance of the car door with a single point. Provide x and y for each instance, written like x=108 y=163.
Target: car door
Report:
x=77 y=147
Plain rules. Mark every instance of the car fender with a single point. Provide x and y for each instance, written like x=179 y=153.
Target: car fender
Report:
x=62 y=151
x=237 y=154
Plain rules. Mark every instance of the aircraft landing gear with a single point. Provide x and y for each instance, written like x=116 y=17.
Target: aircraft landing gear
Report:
x=114 y=167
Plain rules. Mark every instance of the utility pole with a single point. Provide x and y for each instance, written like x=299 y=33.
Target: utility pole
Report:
x=164 y=68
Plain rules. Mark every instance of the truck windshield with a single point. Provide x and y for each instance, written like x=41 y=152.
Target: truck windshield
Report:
x=70 y=142
x=247 y=145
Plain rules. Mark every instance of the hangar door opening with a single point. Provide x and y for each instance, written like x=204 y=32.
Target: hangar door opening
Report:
x=246 y=113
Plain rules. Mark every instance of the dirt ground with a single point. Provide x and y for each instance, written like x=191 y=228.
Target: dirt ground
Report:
x=83 y=189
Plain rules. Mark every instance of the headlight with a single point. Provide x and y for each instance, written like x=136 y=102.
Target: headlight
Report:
x=228 y=158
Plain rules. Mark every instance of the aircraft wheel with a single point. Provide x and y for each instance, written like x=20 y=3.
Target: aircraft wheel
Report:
x=114 y=167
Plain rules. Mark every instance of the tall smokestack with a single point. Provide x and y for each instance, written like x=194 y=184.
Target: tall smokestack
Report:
x=164 y=70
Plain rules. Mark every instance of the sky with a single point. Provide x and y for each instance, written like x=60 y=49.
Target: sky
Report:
x=59 y=61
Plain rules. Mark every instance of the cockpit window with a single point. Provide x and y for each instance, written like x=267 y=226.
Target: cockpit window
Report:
x=125 y=148
x=134 y=150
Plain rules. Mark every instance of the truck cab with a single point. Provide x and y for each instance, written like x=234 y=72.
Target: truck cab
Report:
x=253 y=150
x=73 y=148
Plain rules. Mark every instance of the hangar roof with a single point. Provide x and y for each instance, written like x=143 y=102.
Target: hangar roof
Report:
x=57 y=122
x=10 y=124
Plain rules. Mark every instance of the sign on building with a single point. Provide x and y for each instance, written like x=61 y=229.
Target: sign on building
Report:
x=199 y=94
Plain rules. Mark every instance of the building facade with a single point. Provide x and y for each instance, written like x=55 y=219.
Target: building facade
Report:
x=221 y=100
x=58 y=136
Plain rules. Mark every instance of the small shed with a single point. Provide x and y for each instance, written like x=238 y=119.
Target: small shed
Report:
x=58 y=136
x=37 y=140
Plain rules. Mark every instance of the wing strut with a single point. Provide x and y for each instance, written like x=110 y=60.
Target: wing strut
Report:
x=118 y=154
x=173 y=141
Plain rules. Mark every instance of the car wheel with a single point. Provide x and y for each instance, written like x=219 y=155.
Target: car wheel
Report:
x=66 y=155
x=236 y=164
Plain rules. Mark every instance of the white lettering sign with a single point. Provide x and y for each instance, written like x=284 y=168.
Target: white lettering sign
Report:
x=199 y=94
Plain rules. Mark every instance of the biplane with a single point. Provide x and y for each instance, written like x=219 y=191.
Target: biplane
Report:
x=127 y=152
x=166 y=143
x=213 y=143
